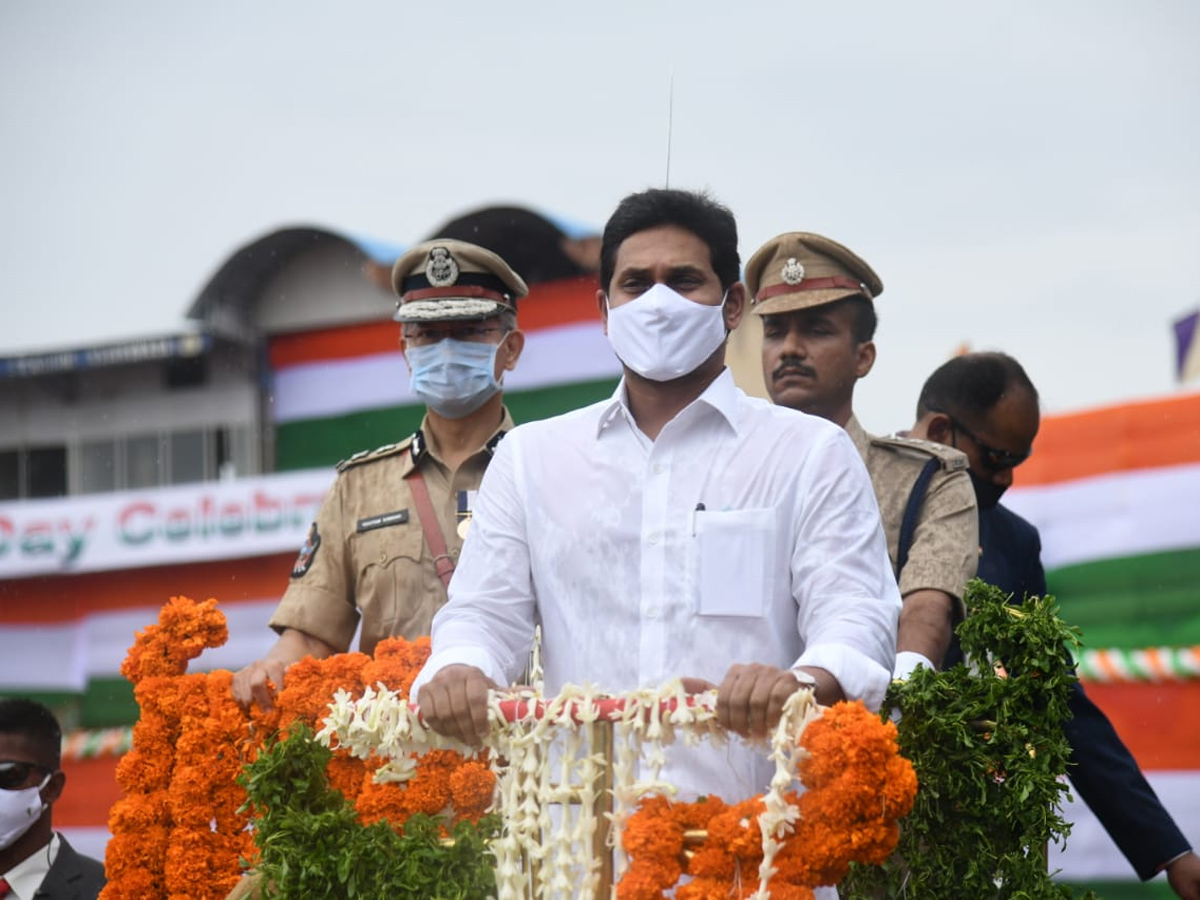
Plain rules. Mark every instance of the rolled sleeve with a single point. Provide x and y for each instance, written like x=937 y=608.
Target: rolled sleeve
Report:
x=860 y=676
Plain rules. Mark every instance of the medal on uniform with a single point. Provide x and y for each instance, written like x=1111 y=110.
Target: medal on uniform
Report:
x=466 y=500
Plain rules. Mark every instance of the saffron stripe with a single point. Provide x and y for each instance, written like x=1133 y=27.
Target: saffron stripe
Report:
x=1145 y=435
x=552 y=304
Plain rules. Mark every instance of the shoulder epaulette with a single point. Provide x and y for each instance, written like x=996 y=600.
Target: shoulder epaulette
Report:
x=494 y=442
x=952 y=460
x=364 y=456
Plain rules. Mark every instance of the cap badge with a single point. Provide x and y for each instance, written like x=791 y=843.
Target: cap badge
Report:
x=793 y=272
x=441 y=270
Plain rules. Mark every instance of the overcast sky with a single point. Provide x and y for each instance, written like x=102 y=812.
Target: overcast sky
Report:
x=1024 y=176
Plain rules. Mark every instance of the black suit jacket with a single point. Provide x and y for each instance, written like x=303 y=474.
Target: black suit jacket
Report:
x=72 y=877
x=1104 y=772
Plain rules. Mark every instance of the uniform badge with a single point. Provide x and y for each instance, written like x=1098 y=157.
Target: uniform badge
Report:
x=307 y=553
x=466 y=499
x=793 y=271
x=383 y=520
x=441 y=270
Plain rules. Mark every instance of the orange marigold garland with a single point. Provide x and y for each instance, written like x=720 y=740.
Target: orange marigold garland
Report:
x=856 y=788
x=179 y=831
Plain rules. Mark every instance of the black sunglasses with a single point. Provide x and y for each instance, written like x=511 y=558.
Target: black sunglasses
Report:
x=993 y=457
x=14 y=775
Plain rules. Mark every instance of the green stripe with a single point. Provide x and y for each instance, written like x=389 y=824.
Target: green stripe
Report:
x=1124 y=890
x=1133 y=602
x=104 y=703
x=320 y=443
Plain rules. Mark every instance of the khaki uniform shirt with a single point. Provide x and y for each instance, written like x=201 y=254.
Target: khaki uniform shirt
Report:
x=366 y=554
x=945 y=546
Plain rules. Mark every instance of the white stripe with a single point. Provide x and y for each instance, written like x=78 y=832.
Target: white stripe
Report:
x=1124 y=514
x=565 y=355
x=42 y=658
x=553 y=356
x=338 y=387
x=96 y=645
x=88 y=841
x=1091 y=855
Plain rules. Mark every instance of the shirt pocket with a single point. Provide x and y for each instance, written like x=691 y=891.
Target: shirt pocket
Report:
x=389 y=590
x=735 y=552
x=381 y=548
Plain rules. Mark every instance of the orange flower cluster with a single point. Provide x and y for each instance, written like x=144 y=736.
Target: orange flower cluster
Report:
x=177 y=826
x=177 y=832
x=857 y=787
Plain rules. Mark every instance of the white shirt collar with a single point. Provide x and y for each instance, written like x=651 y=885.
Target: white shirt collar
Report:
x=27 y=876
x=721 y=396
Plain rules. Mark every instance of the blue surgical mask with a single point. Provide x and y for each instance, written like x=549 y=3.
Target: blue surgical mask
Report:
x=454 y=378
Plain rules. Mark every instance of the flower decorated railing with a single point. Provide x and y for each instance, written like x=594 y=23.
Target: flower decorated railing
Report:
x=577 y=753
x=561 y=773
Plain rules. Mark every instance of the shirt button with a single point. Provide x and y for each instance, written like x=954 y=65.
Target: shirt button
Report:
x=653 y=539
x=383 y=556
x=652 y=612
x=658 y=469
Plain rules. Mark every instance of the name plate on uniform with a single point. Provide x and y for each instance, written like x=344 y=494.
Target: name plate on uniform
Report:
x=383 y=520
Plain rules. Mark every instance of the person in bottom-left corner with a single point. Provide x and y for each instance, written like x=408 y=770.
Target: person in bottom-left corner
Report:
x=36 y=861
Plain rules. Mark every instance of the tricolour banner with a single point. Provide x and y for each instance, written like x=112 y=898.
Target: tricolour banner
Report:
x=1115 y=494
x=340 y=390
x=161 y=526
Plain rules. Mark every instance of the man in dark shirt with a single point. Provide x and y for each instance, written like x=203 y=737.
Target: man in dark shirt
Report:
x=985 y=405
x=36 y=861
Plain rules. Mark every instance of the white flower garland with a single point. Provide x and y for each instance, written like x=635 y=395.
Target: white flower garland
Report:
x=540 y=855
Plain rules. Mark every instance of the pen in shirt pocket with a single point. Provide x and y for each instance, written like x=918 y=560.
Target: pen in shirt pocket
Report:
x=699 y=508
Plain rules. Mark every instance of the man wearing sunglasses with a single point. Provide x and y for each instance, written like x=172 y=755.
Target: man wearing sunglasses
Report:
x=388 y=535
x=985 y=405
x=34 y=860
x=816 y=298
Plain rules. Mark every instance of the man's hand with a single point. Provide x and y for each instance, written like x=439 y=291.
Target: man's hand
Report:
x=454 y=703
x=751 y=698
x=1184 y=876
x=253 y=683
x=257 y=683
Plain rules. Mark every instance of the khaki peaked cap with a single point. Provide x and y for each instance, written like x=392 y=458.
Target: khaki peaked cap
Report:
x=448 y=280
x=798 y=270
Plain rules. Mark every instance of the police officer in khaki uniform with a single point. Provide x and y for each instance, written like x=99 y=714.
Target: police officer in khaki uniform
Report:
x=816 y=299
x=386 y=537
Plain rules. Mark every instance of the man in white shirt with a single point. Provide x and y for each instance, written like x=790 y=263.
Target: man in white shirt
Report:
x=679 y=529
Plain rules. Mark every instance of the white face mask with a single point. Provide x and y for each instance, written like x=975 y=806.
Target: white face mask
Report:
x=19 y=810
x=662 y=335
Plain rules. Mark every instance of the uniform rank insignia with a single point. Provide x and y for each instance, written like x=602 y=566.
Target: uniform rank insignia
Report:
x=370 y=523
x=307 y=553
x=441 y=270
x=793 y=271
x=466 y=500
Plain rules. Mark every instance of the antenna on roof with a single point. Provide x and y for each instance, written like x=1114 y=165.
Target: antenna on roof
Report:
x=670 y=112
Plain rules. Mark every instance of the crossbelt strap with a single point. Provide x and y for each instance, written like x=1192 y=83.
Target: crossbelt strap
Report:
x=912 y=512
x=429 y=524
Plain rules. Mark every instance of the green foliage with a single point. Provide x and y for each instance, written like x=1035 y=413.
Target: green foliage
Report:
x=312 y=846
x=989 y=751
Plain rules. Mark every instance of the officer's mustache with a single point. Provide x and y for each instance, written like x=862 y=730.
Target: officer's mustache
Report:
x=792 y=366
